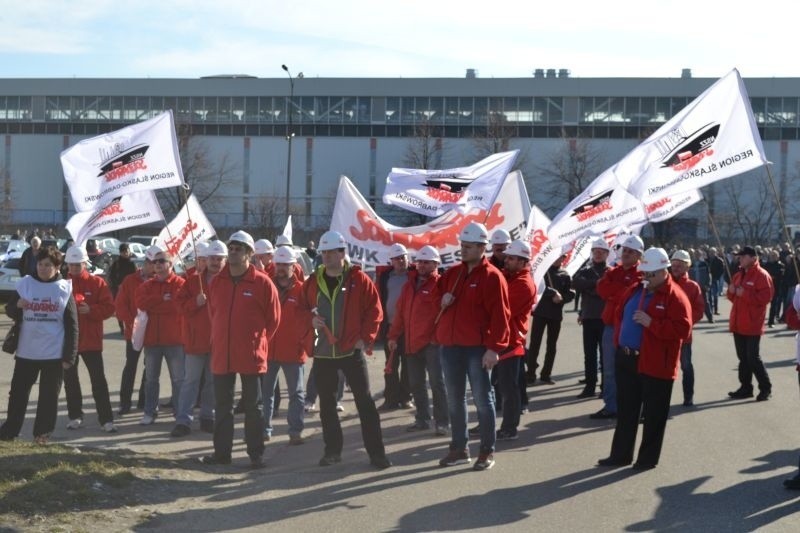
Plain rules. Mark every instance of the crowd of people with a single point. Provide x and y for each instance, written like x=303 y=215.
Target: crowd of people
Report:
x=248 y=309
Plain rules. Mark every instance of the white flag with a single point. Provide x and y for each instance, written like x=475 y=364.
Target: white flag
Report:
x=669 y=206
x=189 y=226
x=434 y=192
x=140 y=157
x=543 y=251
x=134 y=209
x=287 y=229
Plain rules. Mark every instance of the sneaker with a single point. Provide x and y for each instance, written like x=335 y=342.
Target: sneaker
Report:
x=147 y=420
x=339 y=407
x=75 y=423
x=267 y=436
x=475 y=431
x=206 y=425
x=328 y=460
x=381 y=463
x=296 y=439
x=180 y=430
x=311 y=408
x=109 y=427
x=507 y=434
x=485 y=462
x=442 y=430
x=407 y=405
x=456 y=457
x=213 y=460
x=417 y=426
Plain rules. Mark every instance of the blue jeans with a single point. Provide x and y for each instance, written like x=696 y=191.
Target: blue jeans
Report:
x=294 y=374
x=609 y=373
x=713 y=294
x=196 y=368
x=688 y=371
x=459 y=364
x=428 y=360
x=152 y=374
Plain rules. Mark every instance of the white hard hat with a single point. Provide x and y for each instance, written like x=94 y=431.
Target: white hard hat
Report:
x=331 y=240
x=201 y=249
x=501 y=236
x=474 y=232
x=601 y=244
x=634 y=242
x=397 y=250
x=653 y=260
x=242 y=237
x=76 y=254
x=283 y=240
x=519 y=248
x=428 y=253
x=682 y=255
x=217 y=249
x=284 y=254
x=263 y=246
x=151 y=253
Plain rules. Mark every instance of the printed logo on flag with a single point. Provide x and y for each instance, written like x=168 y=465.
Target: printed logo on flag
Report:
x=447 y=187
x=537 y=241
x=593 y=206
x=120 y=162
x=683 y=152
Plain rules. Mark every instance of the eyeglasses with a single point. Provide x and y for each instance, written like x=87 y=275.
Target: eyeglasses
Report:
x=649 y=275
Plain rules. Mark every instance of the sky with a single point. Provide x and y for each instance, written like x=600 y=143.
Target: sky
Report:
x=391 y=38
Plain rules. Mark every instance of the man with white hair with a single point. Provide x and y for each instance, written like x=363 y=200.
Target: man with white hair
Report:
x=27 y=262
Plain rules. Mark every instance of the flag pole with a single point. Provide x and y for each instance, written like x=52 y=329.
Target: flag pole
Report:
x=719 y=241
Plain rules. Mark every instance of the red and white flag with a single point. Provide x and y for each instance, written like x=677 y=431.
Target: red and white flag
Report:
x=668 y=206
x=134 y=209
x=544 y=252
x=435 y=192
x=189 y=227
x=143 y=156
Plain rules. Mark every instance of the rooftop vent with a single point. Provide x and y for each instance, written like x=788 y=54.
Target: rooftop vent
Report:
x=563 y=73
x=472 y=73
x=686 y=73
x=538 y=73
x=551 y=73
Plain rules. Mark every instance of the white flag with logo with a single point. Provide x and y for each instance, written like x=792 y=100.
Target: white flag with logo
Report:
x=189 y=226
x=668 y=206
x=543 y=251
x=434 y=192
x=134 y=209
x=140 y=157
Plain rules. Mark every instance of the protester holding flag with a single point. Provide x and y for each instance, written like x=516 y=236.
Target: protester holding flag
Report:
x=680 y=262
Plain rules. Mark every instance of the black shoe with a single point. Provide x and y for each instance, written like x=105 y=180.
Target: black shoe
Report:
x=740 y=394
x=214 y=460
x=180 y=430
x=407 y=405
x=763 y=396
x=643 y=466
x=793 y=483
x=582 y=381
x=381 y=463
x=608 y=461
x=328 y=460
x=206 y=425
x=688 y=402
x=257 y=462
x=507 y=434
x=586 y=393
x=475 y=431
x=602 y=414
x=124 y=410
x=386 y=407
x=546 y=381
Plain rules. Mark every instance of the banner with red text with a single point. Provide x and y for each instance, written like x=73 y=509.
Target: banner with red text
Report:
x=134 y=209
x=189 y=226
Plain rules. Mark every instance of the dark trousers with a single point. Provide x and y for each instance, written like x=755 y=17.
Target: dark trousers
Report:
x=750 y=363
x=397 y=388
x=97 y=376
x=592 y=346
x=427 y=361
x=129 y=378
x=26 y=372
x=637 y=395
x=553 y=328
x=354 y=367
x=508 y=371
x=775 y=307
x=224 y=385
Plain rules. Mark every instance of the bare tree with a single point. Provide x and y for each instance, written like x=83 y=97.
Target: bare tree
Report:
x=266 y=214
x=751 y=209
x=571 y=168
x=426 y=147
x=496 y=138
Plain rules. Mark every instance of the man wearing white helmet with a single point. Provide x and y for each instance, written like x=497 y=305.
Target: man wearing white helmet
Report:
x=472 y=329
x=680 y=263
x=346 y=313
x=285 y=242
x=414 y=321
x=500 y=241
x=95 y=304
x=192 y=299
x=610 y=288
x=262 y=254
x=245 y=310
x=390 y=282
x=200 y=257
x=651 y=321
x=591 y=314
x=290 y=347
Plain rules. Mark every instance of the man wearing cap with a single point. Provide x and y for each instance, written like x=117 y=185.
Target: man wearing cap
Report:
x=473 y=330
x=290 y=346
x=610 y=288
x=346 y=313
x=158 y=297
x=120 y=269
x=500 y=241
x=397 y=390
x=192 y=299
x=680 y=263
x=414 y=321
x=591 y=314
x=95 y=304
x=245 y=311
x=651 y=321
x=125 y=306
x=751 y=291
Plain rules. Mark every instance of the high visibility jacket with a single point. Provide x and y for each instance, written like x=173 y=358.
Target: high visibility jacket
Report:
x=94 y=291
x=750 y=309
x=416 y=312
x=160 y=300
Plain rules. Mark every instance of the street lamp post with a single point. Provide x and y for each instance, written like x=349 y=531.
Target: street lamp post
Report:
x=289 y=135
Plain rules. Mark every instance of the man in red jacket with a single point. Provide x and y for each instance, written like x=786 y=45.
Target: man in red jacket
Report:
x=681 y=261
x=414 y=321
x=473 y=330
x=158 y=297
x=751 y=291
x=95 y=304
x=346 y=313
x=192 y=300
x=245 y=311
x=652 y=320
x=289 y=348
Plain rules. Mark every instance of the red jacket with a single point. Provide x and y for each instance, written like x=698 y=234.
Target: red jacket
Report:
x=612 y=286
x=362 y=312
x=125 y=303
x=244 y=317
x=294 y=338
x=196 y=331
x=671 y=315
x=416 y=313
x=94 y=291
x=521 y=297
x=694 y=294
x=750 y=309
x=160 y=300
x=480 y=312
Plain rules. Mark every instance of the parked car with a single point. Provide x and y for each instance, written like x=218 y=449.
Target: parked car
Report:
x=144 y=240
x=8 y=283
x=137 y=250
x=10 y=249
